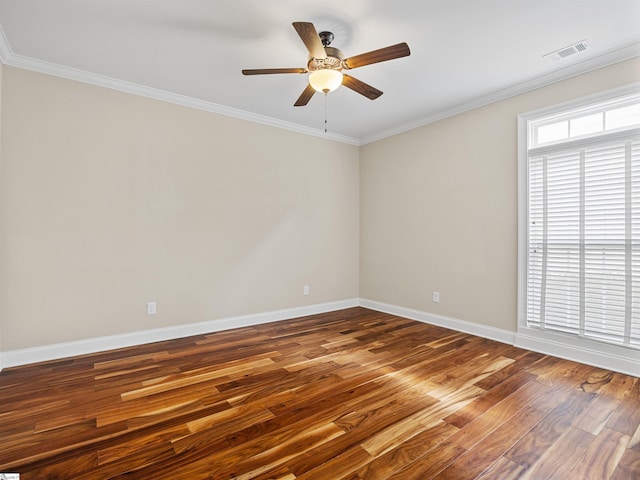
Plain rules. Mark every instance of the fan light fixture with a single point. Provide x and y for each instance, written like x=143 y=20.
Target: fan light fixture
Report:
x=325 y=80
x=325 y=64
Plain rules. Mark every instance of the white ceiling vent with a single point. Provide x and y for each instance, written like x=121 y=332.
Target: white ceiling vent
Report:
x=565 y=52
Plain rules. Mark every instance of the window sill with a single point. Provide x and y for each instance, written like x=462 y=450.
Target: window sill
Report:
x=612 y=357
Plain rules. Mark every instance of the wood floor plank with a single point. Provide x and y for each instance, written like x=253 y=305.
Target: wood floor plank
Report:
x=493 y=396
x=338 y=467
x=596 y=415
x=634 y=443
x=626 y=418
x=558 y=461
x=431 y=464
x=483 y=454
x=532 y=446
x=407 y=453
x=503 y=469
x=498 y=415
x=602 y=456
x=354 y=394
x=629 y=466
x=277 y=456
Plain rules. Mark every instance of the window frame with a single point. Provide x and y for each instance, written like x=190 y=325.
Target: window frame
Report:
x=610 y=356
x=569 y=114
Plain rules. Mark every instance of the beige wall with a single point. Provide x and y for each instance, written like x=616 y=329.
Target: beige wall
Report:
x=439 y=207
x=1 y=222
x=110 y=201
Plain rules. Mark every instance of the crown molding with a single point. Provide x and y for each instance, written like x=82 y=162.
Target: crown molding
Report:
x=608 y=58
x=5 y=49
x=69 y=73
x=611 y=57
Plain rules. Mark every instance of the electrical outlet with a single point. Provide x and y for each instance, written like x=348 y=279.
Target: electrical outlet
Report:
x=305 y=290
x=436 y=297
x=152 y=308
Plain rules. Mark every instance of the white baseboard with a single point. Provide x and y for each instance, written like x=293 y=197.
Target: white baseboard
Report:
x=45 y=353
x=609 y=357
x=579 y=353
x=492 y=333
x=627 y=363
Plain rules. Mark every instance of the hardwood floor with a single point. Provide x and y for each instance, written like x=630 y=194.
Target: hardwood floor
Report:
x=354 y=394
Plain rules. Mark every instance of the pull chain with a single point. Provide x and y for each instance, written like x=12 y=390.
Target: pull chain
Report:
x=325 y=110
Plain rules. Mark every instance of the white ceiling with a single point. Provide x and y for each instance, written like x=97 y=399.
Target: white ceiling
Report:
x=464 y=53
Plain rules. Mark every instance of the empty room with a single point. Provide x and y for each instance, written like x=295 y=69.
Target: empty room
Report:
x=293 y=240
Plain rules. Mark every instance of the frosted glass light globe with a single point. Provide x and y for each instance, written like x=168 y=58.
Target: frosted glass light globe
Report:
x=325 y=80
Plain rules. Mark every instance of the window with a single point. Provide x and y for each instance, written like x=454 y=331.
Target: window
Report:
x=606 y=117
x=579 y=245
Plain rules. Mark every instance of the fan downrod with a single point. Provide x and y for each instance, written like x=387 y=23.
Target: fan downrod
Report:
x=326 y=38
x=321 y=56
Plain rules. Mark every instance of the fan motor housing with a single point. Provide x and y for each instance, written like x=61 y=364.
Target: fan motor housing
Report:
x=334 y=61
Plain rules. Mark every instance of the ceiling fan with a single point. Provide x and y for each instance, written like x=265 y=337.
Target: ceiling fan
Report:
x=326 y=64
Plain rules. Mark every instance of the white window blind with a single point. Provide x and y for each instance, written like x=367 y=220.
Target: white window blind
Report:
x=583 y=239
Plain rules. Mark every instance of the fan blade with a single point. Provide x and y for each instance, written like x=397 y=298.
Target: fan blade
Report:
x=381 y=55
x=310 y=37
x=359 y=86
x=305 y=97
x=264 y=71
